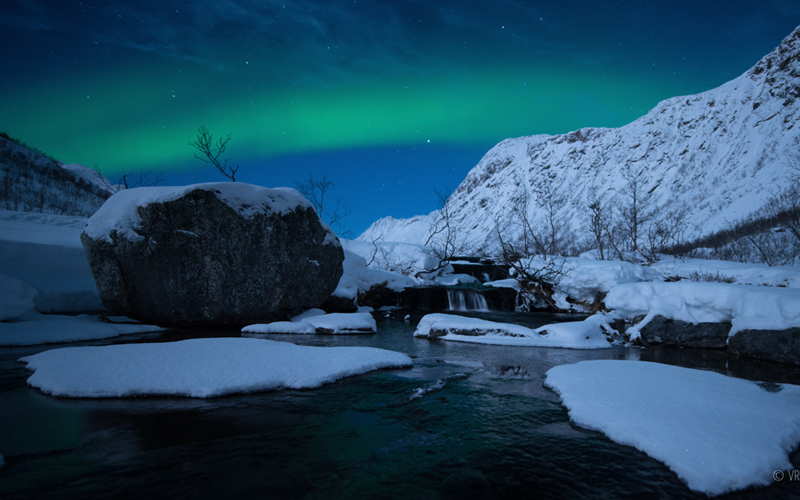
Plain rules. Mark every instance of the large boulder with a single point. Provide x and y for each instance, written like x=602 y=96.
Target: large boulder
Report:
x=211 y=254
x=673 y=332
x=782 y=346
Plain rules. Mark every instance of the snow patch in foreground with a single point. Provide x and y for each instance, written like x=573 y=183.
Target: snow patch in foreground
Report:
x=717 y=433
x=586 y=334
x=200 y=368
x=35 y=328
x=316 y=321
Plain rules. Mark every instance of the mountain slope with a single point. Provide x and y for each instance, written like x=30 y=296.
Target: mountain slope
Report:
x=31 y=181
x=717 y=155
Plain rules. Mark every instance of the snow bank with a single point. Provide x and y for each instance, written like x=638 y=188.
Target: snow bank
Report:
x=45 y=252
x=717 y=433
x=583 y=278
x=506 y=283
x=456 y=279
x=396 y=257
x=438 y=324
x=16 y=298
x=334 y=323
x=199 y=367
x=742 y=273
x=120 y=212
x=746 y=307
x=586 y=334
x=35 y=328
x=357 y=277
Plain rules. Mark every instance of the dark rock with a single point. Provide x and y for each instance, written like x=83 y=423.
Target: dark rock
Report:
x=379 y=295
x=484 y=272
x=691 y=357
x=672 y=332
x=760 y=370
x=211 y=254
x=337 y=304
x=782 y=346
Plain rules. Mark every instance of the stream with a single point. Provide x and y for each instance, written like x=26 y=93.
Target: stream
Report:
x=467 y=421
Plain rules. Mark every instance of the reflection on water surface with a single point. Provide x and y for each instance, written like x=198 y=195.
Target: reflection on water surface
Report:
x=467 y=421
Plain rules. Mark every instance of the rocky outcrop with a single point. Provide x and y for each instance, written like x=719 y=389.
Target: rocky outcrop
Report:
x=672 y=332
x=782 y=346
x=211 y=254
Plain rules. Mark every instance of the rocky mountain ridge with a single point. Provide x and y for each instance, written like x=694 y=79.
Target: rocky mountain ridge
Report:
x=31 y=181
x=715 y=156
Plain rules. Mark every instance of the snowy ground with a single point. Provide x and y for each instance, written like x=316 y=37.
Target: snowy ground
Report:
x=583 y=278
x=741 y=273
x=316 y=321
x=35 y=328
x=588 y=334
x=357 y=277
x=199 y=368
x=717 y=433
x=745 y=306
x=44 y=251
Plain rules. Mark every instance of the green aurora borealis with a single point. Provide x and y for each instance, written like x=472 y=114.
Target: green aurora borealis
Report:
x=125 y=85
x=157 y=123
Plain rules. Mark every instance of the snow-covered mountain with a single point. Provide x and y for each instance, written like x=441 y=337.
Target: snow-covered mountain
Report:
x=31 y=181
x=717 y=154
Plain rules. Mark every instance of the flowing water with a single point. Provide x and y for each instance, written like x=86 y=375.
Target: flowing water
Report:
x=467 y=421
x=466 y=300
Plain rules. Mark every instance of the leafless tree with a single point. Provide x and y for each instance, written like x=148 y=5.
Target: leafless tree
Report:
x=557 y=236
x=537 y=276
x=599 y=221
x=546 y=235
x=784 y=202
x=635 y=206
x=772 y=234
x=665 y=231
x=126 y=181
x=315 y=191
x=442 y=236
x=211 y=152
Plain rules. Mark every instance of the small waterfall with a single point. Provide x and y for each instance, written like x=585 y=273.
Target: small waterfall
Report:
x=466 y=300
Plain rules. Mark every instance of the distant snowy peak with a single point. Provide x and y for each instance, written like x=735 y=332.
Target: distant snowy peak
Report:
x=717 y=155
x=413 y=230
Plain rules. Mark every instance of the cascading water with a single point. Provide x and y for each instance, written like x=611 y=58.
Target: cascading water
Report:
x=466 y=300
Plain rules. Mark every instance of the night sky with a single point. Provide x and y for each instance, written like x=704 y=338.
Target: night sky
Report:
x=389 y=99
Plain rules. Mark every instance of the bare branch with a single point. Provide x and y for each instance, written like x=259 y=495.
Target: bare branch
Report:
x=211 y=152
x=315 y=191
x=442 y=238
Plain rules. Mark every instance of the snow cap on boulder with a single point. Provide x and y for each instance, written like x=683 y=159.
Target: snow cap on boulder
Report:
x=217 y=253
